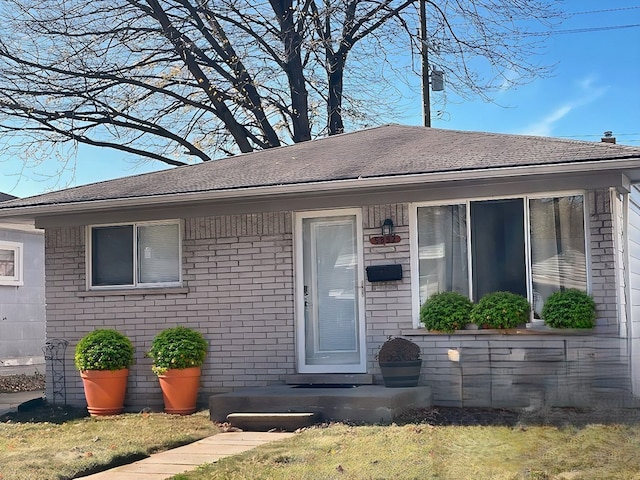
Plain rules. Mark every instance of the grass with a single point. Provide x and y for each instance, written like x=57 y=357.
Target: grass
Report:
x=32 y=449
x=421 y=451
x=571 y=447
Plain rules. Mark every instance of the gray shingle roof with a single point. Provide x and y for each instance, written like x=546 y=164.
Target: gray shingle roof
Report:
x=5 y=196
x=389 y=150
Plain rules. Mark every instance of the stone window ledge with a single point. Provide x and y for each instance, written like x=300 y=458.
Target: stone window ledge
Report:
x=531 y=329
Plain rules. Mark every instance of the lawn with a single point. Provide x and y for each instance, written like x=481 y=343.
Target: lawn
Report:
x=434 y=444
x=422 y=451
x=66 y=446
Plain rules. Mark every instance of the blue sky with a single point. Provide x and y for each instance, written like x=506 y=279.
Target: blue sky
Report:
x=595 y=87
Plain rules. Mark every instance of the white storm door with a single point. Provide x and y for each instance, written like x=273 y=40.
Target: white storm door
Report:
x=329 y=297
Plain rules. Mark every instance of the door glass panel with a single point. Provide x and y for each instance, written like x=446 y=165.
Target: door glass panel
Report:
x=330 y=264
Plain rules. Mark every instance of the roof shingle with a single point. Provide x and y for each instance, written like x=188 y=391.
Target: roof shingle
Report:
x=389 y=150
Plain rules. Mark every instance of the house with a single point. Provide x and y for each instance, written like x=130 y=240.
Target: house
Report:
x=22 y=310
x=267 y=253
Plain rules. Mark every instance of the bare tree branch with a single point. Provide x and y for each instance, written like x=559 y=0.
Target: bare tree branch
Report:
x=192 y=80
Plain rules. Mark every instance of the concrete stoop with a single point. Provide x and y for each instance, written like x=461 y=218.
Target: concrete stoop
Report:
x=369 y=404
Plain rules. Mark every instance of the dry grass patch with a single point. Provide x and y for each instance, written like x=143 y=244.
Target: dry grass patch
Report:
x=34 y=450
x=422 y=451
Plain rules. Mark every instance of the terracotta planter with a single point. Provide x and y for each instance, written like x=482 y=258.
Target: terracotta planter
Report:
x=401 y=374
x=105 y=390
x=180 y=390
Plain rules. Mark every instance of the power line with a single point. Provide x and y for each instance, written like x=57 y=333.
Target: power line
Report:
x=580 y=30
x=616 y=135
x=593 y=135
x=606 y=10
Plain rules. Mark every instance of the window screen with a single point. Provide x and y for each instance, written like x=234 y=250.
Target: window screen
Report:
x=112 y=255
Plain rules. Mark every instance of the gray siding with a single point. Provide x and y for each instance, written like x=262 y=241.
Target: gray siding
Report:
x=633 y=245
x=22 y=311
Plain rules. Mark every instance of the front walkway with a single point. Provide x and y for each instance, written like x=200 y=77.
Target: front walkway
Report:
x=160 y=466
x=9 y=402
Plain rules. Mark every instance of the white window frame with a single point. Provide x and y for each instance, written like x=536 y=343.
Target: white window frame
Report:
x=17 y=278
x=413 y=228
x=135 y=284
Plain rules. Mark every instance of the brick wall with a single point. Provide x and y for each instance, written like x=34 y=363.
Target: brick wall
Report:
x=238 y=279
x=238 y=271
x=603 y=256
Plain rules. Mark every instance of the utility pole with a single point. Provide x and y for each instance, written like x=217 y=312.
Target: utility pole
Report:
x=426 y=103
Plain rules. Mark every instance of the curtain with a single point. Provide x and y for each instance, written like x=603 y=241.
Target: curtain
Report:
x=158 y=253
x=558 y=259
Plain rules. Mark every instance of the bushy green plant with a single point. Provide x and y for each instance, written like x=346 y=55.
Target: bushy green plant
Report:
x=104 y=349
x=570 y=308
x=398 y=349
x=501 y=310
x=178 y=347
x=446 y=311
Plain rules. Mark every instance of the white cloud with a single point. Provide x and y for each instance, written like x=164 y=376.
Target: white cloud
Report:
x=588 y=93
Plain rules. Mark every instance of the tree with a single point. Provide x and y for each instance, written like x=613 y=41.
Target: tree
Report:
x=190 y=80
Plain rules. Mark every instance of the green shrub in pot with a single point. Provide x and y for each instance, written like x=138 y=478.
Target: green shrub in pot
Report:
x=569 y=308
x=446 y=311
x=177 y=348
x=103 y=349
x=501 y=310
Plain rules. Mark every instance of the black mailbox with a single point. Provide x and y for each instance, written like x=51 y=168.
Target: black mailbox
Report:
x=384 y=273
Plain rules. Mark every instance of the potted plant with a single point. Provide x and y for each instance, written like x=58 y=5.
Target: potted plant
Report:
x=400 y=363
x=501 y=310
x=178 y=354
x=446 y=312
x=569 y=308
x=103 y=358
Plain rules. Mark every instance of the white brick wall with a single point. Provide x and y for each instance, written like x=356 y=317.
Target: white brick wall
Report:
x=238 y=279
x=239 y=274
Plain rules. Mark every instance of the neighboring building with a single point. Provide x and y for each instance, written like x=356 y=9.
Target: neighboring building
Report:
x=22 y=310
x=266 y=254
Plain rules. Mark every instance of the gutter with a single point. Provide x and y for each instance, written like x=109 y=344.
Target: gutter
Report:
x=326 y=186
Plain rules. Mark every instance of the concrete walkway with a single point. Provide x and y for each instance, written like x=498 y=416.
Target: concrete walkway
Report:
x=9 y=402
x=160 y=466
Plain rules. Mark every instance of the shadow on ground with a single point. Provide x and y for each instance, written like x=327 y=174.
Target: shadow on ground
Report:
x=37 y=412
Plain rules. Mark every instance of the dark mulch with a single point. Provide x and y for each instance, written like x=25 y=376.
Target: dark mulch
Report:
x=37 y=411
x=552 y=416
x=21 y=383
x=459 y=416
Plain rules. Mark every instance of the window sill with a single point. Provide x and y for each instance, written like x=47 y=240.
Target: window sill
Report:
x=134 y=291
x=531 y=329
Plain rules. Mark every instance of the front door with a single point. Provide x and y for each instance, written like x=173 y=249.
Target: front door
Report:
x=329 y=297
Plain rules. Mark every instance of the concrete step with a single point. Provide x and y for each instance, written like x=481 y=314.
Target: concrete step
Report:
x=361 y=404
x=329 y=379
x=263 y=422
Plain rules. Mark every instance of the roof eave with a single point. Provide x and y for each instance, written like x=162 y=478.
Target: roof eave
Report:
x=327 y=186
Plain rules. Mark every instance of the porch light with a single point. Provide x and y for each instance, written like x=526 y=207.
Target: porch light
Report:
x=387 y=227
x=387 y=234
